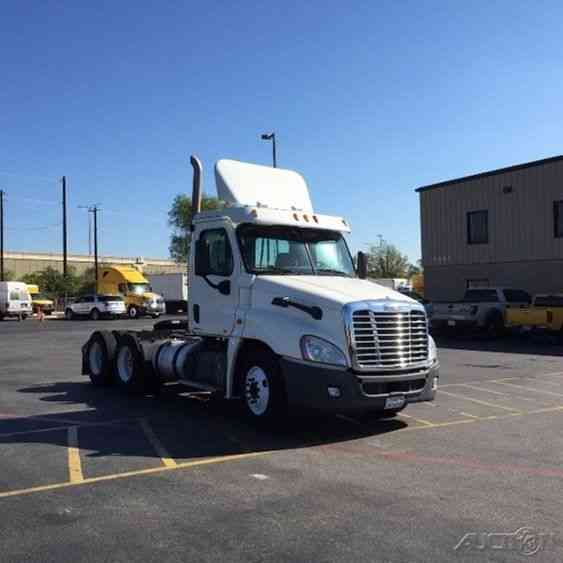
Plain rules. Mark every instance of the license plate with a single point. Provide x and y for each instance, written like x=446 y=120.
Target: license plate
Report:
x=394 y=402
x=451 y=323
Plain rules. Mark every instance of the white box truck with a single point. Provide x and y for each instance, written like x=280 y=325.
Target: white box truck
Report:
x=174 y=289
x=15 y=300
x=278 y=318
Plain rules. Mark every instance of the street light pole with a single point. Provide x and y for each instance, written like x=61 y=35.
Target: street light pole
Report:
x=271 y=137
x=1 y=235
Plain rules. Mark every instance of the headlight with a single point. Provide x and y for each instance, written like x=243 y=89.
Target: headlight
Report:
x=432 y=350
x=316 y=349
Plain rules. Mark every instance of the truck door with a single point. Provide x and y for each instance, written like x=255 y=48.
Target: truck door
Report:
x=213 y=295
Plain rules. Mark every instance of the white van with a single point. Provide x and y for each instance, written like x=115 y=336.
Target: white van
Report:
x=15 y=300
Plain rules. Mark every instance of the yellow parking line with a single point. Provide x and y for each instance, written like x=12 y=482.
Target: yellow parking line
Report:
x=157 y=444
x=501 y=382
x=114 y=476
x=478 y=401
x=419 y=420
x=470 y=415
x=74 y=464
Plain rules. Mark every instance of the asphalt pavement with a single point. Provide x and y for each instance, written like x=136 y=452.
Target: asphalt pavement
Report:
x=89 y=474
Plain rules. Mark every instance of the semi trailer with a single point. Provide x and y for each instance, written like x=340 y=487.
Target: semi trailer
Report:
x=279 y=317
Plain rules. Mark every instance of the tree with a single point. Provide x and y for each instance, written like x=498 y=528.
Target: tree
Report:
x=53 y=283
x=180 y=217
x=9 y=275
x=386 y=261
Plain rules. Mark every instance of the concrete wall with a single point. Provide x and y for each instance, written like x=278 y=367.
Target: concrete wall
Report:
x=22 y=263
x=522 y=251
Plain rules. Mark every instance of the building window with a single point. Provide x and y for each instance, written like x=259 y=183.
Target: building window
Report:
x=478 y=227
x=475 y=284
x=558 y=219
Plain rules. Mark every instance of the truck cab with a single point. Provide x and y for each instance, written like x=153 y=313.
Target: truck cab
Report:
x=278 y=316
x=134 y=288
x=40 y=302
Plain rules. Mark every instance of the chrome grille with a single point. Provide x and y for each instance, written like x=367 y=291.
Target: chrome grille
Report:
x=383 y=339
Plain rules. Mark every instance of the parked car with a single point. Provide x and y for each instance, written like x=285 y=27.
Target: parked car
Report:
x=482 y=308
x=96 y=307
x=545 y=313
x=15 y=300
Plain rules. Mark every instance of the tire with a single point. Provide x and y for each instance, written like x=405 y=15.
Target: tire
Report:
x=99 y=357
x=24 y=316
x=69 y=315
x=261 y=387
x=129 y=365
x=94 y=315
x=155 y=316
x=133 y=312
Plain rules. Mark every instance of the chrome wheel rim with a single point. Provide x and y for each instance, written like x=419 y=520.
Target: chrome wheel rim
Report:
x=257 y=391
x=125 y=364
x=96 y=358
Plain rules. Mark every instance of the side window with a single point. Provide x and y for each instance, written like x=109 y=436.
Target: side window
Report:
x=558 y=219
x=15 y=295
x=517 y=296
x=122 y=288
x=214 y=255
x=478 y=227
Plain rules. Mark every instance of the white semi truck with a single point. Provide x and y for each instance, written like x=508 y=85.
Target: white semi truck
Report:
x=278 y=317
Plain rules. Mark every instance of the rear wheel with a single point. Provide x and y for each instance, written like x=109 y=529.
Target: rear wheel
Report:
x=99 y=357
x=262 y=388
x=95 y=315
x=129 y=364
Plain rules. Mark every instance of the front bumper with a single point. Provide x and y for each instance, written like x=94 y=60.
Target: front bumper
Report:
x=307 y=385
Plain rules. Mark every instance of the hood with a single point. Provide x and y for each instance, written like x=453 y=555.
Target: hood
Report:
x=150 y=296
x=330 y=291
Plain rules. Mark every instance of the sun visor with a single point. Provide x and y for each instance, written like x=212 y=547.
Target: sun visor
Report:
x=240 y=184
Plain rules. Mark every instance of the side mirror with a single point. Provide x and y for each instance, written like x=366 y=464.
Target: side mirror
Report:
x=362 y=266
x=224 y=287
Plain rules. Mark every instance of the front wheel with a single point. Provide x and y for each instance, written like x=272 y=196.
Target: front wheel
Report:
x=95 y=315
x=262 y=387
x=133 y=312
x=69 y=315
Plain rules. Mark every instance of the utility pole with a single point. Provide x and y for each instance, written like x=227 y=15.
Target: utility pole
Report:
x=95 y=212
x=1 y=235
x=65 y=248
x=271 y=137
x=93 y=209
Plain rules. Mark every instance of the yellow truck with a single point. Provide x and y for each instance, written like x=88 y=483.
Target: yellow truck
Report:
x=546 y=312
x=39 y=301
x=133 y=287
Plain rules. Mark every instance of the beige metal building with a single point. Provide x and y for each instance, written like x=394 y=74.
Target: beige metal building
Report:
x=498 y=228
x=22 y=263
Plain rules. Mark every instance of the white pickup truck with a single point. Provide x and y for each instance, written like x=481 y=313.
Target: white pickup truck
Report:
x=278 y=317
x=480 y=308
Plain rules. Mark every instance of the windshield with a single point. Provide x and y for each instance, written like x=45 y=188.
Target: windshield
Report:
x=138 y=288
x=287 y=250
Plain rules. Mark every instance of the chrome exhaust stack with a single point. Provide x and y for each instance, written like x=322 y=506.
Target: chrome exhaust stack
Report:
x=196 y=189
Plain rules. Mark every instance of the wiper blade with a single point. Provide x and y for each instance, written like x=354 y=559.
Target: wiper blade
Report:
x=330 y=271
x=281 y=271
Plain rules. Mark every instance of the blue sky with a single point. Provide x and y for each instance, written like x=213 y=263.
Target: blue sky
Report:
x=369 y=100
